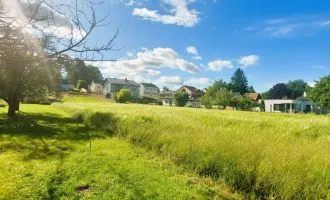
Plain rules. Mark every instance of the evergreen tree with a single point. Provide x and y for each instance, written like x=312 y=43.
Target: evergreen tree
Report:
x=239 y=82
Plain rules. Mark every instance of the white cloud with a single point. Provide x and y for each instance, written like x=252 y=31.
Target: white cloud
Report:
x=145 y=64
x=130 y=54
x=248 y=60
x=192 y=50
x=173 y=80
x=199 y=82
x=281 y=31
x=319 y=67
x=130 y=3
x=311 y=83
x=179 y=14
x=197 y=58
x=218 y=65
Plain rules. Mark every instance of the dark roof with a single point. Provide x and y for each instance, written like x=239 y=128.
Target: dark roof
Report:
x=149 y=85
x=254 y=96
x=98 y=81
x=122 y=81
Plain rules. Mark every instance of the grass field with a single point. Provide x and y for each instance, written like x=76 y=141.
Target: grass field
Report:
x=46 y=154
x=263 y=155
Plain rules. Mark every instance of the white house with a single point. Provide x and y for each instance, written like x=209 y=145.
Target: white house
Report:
x=113 y=85
x=167 y=97
x=149 y=89
x=288 y=105
x=96 y=87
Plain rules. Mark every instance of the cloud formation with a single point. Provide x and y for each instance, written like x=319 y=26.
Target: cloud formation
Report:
x=219 y=65
x=179 y=14
x=172 y=80
x=199 y=82
x=248 y=60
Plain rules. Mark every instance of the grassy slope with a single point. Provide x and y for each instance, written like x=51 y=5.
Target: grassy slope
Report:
x=82 y=98
x=263 y=154
x=46 y=156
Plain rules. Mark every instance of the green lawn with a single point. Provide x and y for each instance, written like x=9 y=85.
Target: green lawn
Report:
x=83 y=98
x=46 y=154
x=263 y=155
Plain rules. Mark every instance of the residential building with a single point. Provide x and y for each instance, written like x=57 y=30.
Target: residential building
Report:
x=96 y=87
x=254 y=96
x=66 y=87
x=112 y=86
x=167 y=97
x=192 y=91
x=149 y=89
x=288 y=105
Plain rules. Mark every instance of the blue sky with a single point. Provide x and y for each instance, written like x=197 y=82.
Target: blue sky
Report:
x=175 y=42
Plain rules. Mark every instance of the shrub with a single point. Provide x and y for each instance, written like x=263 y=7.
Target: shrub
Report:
x=102 y=121
x=181 y=98
x=124 y=96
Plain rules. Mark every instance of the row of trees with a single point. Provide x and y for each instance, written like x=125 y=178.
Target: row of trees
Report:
x=291 y=90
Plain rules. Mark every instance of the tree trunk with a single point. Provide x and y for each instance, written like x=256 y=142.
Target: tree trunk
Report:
x=13 y=106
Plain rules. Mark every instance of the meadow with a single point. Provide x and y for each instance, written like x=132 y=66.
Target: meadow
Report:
x=47 y=154
x=261 y=155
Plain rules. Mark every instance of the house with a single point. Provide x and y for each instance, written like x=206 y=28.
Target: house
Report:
x=149 y=89
x=254 y=96
x=288 y=105
x=167 y=97
x=96 y=87
x=193 y=93
x=257 y=98
x=66 y=87
x=112 y=86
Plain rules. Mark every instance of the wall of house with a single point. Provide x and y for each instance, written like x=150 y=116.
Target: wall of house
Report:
x=96 y=88
x=282 y=105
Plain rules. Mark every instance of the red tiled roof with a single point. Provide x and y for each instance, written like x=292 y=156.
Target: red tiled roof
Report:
x=254 y=96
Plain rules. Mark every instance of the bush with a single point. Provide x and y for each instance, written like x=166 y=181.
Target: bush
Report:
x=181 y=98
x=124 y=96
x=102 y=121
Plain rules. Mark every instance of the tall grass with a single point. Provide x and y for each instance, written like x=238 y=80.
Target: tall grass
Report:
x=264 y=155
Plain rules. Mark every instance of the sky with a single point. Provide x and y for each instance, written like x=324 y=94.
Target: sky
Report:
x=196 y=42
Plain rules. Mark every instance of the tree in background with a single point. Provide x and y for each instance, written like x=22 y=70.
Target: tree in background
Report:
x=166 y=88
x=246 y=103
x=216 y=86
x=279 y=91
x=81 y=84
x=320 y=93
x=239 y=82
x=265 y=95
x=30 y=41
x=206 y=100
x=124 y=96
x=78 y=70
x=223 y=98
x=251 y=89
x=181 y=98
x=296 y=88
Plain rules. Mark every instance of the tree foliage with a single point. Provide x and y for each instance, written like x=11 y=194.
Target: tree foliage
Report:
x=223 y=97
x=279 y=91
x=78 y=70
x=181 y=98
x=33 y=46
x=124 y=96
x=251 y=89
x=239 y=82
x=320 y=93
x=81 y=84
x=296 y=88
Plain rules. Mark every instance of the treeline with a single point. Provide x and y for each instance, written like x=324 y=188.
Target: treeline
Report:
x=232 y=94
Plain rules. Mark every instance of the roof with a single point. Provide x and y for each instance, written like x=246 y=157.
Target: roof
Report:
x=98 y=81
x=236 y=94
x=149 y=85
x=191 y=88
x=254 y=96
x=167 y=92
x=122 y=81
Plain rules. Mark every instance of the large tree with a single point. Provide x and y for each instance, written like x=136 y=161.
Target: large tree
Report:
x=34 y=34
x=239 y=82
x=78 y=70
x=296 y=88
x=278 y=91
x=320 y=92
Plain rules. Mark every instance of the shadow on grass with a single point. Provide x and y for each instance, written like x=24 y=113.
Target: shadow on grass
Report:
x=43 y=136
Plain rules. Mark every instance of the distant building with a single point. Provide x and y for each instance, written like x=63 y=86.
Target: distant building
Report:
x=288 y=105
x=194 y=94
x=254 y=96
x=167 y=97
x=96 y=87
x=66 y=87
x=149 y=89
x=112 y=86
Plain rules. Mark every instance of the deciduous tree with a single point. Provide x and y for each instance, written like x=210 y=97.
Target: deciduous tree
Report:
x=320 y=93
x=181 y=98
